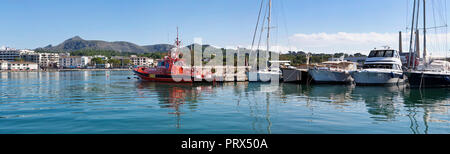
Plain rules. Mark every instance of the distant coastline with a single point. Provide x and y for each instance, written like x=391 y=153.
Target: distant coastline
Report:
x=68 y=70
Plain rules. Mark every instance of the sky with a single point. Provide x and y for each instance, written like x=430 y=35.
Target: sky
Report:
x=326 y=26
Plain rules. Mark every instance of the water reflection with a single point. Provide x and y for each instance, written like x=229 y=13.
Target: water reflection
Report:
x=429 y=101
x=380 y=101
x=174 y=95
x=247 y=107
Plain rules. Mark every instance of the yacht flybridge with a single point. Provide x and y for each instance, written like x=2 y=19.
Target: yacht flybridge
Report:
x=383 y=66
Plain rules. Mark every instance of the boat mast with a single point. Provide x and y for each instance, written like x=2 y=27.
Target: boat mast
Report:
x=416 y=51
x=400 y=46
x=178 y=40
x=268 y=25
x=411 y=38
x=424 y=35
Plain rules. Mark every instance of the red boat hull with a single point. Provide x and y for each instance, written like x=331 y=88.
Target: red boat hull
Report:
x=146 y=76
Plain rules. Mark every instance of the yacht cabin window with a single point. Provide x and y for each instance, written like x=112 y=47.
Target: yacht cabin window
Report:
x=382 y=66
x=383 y=53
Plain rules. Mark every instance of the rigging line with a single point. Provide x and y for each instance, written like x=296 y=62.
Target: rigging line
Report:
x=257 y=24
x=434 y=19
x=262 y=28
x=407 y=14
x=285 y=25
x=446 y=29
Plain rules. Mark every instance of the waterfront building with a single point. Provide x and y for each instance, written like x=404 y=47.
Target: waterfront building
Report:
x=22 y=66
x=74 y=61
x=3 y=65
x=10 y=54
x=123 y=61
x=47 y=60
x=101 y=57
x=141 y=61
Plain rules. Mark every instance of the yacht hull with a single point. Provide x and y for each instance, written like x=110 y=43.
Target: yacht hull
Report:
x=326 y=76
x=428 y=79
x=262 y=76
x=377 y=78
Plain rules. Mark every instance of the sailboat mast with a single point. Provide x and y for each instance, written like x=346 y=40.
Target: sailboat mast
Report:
x=268 y=25
x=424 y=34
x=411 y=38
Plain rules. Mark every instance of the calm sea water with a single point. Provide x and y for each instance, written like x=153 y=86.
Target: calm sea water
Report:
x=108 y=102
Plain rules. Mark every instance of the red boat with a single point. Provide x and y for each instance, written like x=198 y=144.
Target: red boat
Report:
x=170 y=69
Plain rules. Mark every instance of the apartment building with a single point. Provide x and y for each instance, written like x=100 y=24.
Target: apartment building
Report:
x=141 y=61
x=74 y=61
x=48 y=60
x=21 y=66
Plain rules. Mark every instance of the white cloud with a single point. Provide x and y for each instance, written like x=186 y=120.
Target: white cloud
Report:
x=342 y=41
x=361 y=42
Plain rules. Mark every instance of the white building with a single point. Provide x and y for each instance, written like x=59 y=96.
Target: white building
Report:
x=22 y=66
x=43 y=59
x=141 y=61
x=3 y=65
x=74 y=61
x=101 y=57
x=10 y=54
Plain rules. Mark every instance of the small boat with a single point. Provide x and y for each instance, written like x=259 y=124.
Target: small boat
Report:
x=170 y=69
x=167 y=70
x=333 y=71
x=383 y=66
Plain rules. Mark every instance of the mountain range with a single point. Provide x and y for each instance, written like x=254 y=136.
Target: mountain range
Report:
x=77 y=43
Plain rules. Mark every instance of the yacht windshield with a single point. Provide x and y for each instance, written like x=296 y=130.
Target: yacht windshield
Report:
x=382 y=66
x=382 y=53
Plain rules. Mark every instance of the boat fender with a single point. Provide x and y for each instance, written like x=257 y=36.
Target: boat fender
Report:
x=447 y=78
x=392 y=74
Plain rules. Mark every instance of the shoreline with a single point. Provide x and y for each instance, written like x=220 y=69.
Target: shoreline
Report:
x=67 y=70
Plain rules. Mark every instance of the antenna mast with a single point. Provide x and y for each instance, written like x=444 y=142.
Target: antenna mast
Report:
x=178 y=40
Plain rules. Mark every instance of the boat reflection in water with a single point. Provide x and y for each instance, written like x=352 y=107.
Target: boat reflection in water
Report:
x=432 y=103
x=381 y=101
x=174 y=95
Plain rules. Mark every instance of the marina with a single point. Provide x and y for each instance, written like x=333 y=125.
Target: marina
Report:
x=303 y=71
x=107 y=102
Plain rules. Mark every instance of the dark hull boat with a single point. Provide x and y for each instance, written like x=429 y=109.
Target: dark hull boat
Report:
x=428 y=79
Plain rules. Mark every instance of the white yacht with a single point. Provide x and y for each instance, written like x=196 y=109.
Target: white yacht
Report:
x=333 y=71
x=383 y=66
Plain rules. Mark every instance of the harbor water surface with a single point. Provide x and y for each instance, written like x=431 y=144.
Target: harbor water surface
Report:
x=109 y=102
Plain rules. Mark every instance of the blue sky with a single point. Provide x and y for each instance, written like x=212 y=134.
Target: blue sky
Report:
x=224 y=23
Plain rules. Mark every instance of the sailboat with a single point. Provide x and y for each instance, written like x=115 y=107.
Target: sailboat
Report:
x=273 y=71
x=432 y=73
